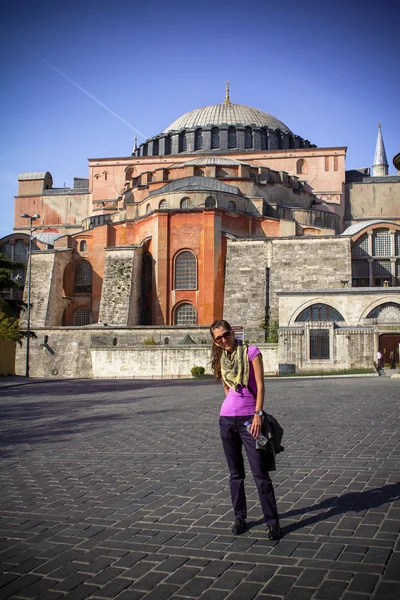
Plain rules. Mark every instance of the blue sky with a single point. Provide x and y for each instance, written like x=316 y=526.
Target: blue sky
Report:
x=326 y=69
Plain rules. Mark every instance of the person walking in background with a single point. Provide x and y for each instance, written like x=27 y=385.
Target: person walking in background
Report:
x=392 y=359
x=379 y=357
x=241 y=369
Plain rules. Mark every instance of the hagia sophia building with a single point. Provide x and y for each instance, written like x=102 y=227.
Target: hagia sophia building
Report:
x=227 y=213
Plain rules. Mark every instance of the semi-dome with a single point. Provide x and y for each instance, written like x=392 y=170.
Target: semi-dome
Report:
x=226 y=114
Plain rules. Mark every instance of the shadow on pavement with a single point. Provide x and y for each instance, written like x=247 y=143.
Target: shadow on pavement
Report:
x=336 y=505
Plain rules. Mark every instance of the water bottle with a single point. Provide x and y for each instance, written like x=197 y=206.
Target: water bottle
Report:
x=261 y=439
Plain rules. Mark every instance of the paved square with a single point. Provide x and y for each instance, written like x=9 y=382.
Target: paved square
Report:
x=119 y=489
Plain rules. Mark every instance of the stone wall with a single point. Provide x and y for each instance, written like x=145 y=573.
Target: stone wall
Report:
x=122 y=286
x=47 y=302
x=86 y=352
x=373 y=198
x=246 y=287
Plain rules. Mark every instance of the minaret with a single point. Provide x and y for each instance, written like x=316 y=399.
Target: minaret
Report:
x=380 y=168
x=227 y=98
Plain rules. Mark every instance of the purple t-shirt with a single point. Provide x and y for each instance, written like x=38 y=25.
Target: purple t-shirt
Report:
x=242 y=402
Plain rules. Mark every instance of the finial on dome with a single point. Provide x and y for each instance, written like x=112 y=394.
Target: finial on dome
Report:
x=227 y=100
x=379 y=124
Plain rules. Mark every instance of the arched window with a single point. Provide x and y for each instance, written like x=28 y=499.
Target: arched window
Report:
x=97 y=176
x=6 y=249
x=185 y=314
x=185 y=271
x=248 y=137
x=167 y=145
x=263 y=141
x=148 y=208
x=231 y=137
x=128 y=173
x=83 y=246
x=320 y=312
x=232 y=206
x=301 y=167
x=210 y=202
x=214 y=137
x=20 y=251
x=186 y=203
x=155 y=148
x=105 y=175
x=381 y=244
x=360 y=246
x=383 y=310
x=82 y=317
x=83 y=277
x=198 y=140
x=163 y=205
x=183 y=141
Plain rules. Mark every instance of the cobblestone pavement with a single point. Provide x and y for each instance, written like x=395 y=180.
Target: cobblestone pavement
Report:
x=119 y=489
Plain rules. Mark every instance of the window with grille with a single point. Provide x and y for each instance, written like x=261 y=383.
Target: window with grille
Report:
x=381 y=245
x=20 y=251
x=186 y=203
x=210 y=202
x=231 y=137
x=186 y=314
x=83 y=277
x=320 y=312
x=215 y=137
x=319 y=344
x=232 y=206
x=185 y=271
x=6 y=249
x=248 y=138
x=374 y=314
x=183 y=141
x=198 y=139
x=397 y=243
x=82 y=317
x=360 y=273
x=83 y=246
x=163 y=204
x=360 y=246
x=263 y=140
x=382 y=268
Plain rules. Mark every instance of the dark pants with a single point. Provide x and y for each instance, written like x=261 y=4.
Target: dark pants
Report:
x=234 y=435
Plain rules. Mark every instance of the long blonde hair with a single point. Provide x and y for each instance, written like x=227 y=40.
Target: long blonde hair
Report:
x=216 y=351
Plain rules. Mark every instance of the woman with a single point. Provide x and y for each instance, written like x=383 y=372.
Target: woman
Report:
x=241 y=369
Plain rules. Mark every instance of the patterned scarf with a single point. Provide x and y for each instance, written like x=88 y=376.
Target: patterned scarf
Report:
x=235 y=366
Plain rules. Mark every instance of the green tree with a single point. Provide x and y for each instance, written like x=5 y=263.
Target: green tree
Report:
x=9 y=323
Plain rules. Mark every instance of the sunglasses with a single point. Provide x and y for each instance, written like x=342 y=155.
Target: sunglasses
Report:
x=225 y=336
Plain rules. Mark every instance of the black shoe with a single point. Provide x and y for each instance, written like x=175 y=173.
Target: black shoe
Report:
x=239 y=526
x=274 y=532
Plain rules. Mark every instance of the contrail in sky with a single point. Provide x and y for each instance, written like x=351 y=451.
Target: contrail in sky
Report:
x=46 y=62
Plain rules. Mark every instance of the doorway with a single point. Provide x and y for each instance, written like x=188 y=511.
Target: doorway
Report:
x=387 y=343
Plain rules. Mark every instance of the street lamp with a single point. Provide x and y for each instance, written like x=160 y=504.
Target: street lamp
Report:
x=28 y=324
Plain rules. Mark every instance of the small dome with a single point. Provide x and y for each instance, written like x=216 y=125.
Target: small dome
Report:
x=226 y=114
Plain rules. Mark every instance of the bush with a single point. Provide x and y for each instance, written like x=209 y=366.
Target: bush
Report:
x=198 y=371
x=150 y=342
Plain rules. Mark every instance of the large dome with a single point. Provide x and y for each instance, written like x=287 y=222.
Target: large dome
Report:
x=228 y=114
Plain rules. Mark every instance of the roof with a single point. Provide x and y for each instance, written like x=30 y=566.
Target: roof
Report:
x=31 y=176
x=226 y=114
x=357 y=227
x=380 y=153
x=191 y=184
x=48 y=237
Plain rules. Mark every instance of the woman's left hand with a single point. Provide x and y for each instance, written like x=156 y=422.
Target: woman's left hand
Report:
x=256 y=426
